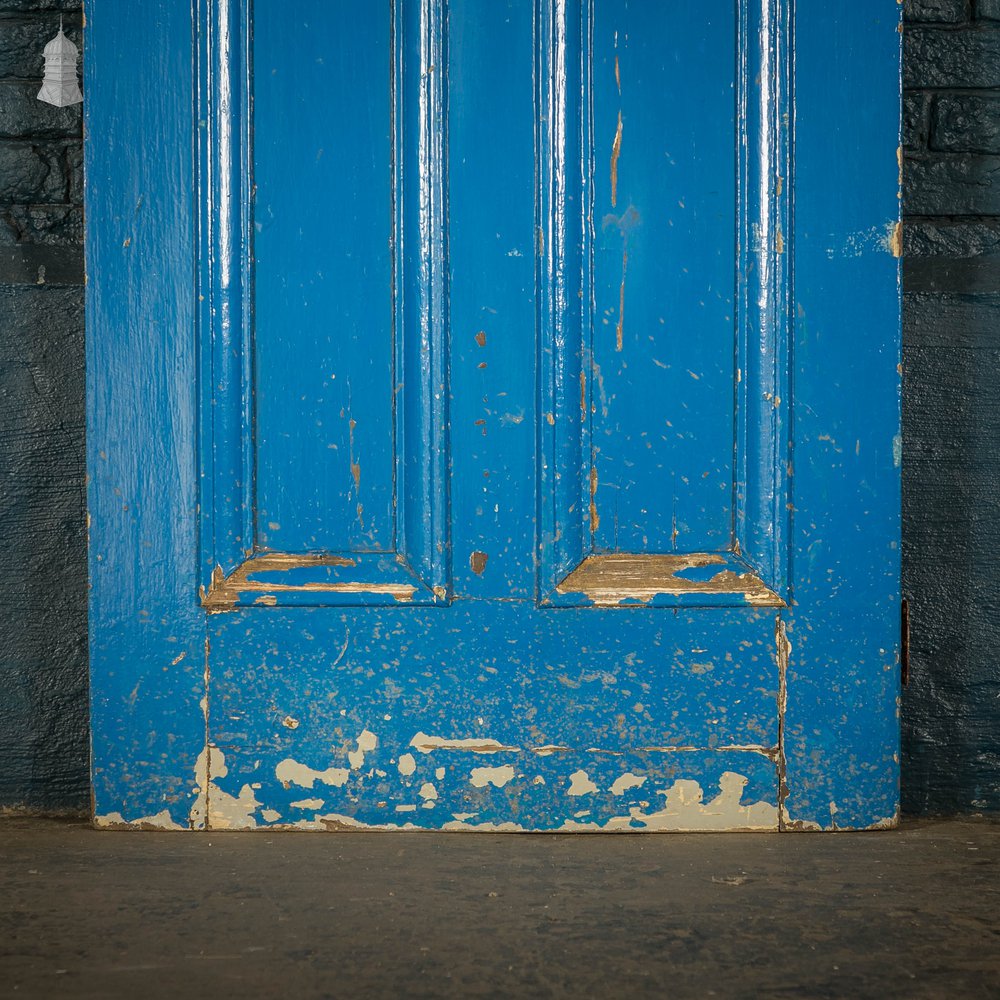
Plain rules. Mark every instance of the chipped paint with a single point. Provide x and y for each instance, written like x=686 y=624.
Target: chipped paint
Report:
x=406 y=765
x=609 y=580
x=580 y=784
x=227 y=590
x=367 y=742
x=115 y=821
x=625 y=782
x=428 y=744
x=685 y=810
x=480 y=777
x=619 y=327
x=462 y=826
x=595 y=519
x=291 y=772
x=214 y=808
x=896 y=240
x=307 y=804
x=616 y=149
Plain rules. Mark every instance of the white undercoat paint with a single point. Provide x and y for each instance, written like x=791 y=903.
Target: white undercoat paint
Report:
x=217 y=809
x=497 y=776
x=367 y=742
x=580 y=784
x=625 y=782
x=161 y=821
x=291 y=772
x=428 y=744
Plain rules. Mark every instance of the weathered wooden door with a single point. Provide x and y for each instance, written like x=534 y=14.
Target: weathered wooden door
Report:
x=493 y=414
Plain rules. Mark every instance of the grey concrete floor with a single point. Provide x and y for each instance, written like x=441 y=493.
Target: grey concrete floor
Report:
x=913 y=913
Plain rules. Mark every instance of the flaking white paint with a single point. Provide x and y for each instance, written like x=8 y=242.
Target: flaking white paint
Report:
x=480 y=777
x=580 y=784
x=215 y=808
x=367 y=742
x=626 y=781
x=291 y=772
x=161 y=821
x=428 y=744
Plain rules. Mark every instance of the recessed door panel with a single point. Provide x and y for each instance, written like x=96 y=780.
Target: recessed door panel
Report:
x=661 y=115
x=325 y=482
x=324 y=245
x=664 y=321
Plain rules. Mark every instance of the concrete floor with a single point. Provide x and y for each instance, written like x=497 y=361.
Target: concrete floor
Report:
x=915 y=913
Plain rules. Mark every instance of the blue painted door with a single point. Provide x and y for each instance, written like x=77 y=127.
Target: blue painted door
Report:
x=494 y=414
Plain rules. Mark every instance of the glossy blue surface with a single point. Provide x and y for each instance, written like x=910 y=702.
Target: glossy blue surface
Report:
x=664 y=215
x=413 y=644
x=323 y=276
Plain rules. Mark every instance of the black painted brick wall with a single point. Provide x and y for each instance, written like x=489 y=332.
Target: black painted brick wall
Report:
x=951 y=712
x=951 y=404
x=43 y=656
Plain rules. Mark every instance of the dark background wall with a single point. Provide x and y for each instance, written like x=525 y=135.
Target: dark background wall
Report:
x=951 y=469
x=43 y=655
x=951 y=419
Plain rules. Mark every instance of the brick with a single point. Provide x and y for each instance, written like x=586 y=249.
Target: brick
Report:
x=945 y=238
x=966 y=123
x=23 y=115
x=30 y=173
x=936 y=322
x=988 y=10
x=73 y=167
x=967 y=57
x=951 y=184
x=22 y=42
x=961 y=276
x=32 y=6
x=940 y=11
x=916 y=120
x=45 y=225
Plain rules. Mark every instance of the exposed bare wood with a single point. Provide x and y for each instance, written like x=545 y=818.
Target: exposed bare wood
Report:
x=613 y=579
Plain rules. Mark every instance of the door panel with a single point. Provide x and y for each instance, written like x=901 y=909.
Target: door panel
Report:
x=324 y=277
x=662 y=331
x=496 y=521
x=665 y=452
x=325 y=322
